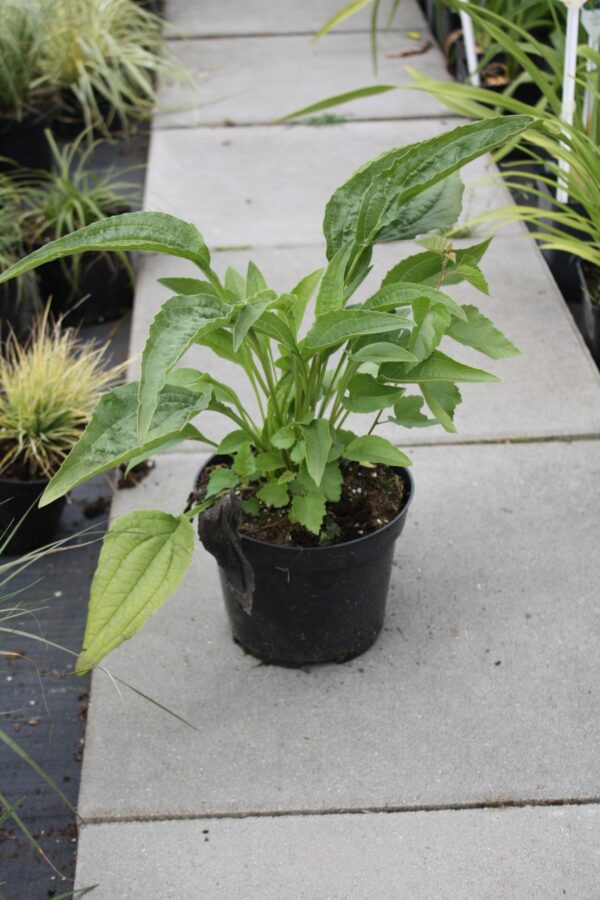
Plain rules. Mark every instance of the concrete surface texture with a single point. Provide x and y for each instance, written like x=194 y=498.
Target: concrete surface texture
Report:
x=385 y=777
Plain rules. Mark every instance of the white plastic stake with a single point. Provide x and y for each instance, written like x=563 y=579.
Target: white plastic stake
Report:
x=470 y=48
x=590 y=19
x=568 y=92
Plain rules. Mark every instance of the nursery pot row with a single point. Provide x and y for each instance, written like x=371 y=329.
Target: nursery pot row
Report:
x=315 y=604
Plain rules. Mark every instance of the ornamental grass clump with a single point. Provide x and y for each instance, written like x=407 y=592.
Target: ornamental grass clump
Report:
x=49 y=386
x=105 y=55
x=20 y=78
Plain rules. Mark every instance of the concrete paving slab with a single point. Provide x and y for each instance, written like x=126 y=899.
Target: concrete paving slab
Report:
x=552 y=389
x=524 y=854
x=238 y=17
x=481 y=689
x=268 y=186
x=242 y=81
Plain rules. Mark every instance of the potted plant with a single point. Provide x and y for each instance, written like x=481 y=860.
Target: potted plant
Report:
x=97 y=285
x=26 y=104
x=305 y=559
x=103 y=56
x=49 y=386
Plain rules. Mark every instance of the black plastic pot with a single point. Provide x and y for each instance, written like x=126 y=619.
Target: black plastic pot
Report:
x=105 y=284
x=563 y=265
x=23 y=141
x=591 y=315
x=18 y=501
x=317 y=604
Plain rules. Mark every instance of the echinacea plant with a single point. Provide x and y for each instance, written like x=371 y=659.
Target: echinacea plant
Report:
x=356 y=357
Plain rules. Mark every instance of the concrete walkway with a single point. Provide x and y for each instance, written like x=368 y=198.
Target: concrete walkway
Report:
x=458 y=758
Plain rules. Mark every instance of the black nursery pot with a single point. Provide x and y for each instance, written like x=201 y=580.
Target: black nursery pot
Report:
x=105 y=284
x=591 y=315
x=317 y=604
x=23 y=141
x=18 y=503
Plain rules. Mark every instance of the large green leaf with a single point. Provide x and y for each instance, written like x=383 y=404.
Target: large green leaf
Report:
x=308 y=510
x=111 y=435
x=407 y=413
x=331 y=289
x=374 y=449
x=152 y=231
x=181 y=321
x=481 y=334
x=438 y=367
x=428 y=163
x=425 y=268
x=368 y=202
x=336 y=327
x=144 y=557
x=318 y=440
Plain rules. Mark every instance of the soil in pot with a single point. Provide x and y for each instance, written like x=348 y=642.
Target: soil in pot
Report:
x=315 y=603
x=104 y=292
x=18 y=504
x=590 y=284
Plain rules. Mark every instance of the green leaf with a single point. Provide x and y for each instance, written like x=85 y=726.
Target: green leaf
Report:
x=369 y=201
x=442 y=399
x=308 y=510
x=180 y=321
x=431 y=323
x=154 y=232
x=478 y=332
x=331 y=290
x=368 y=395
x=426 y=268
x=318 y=441
x=374 y=449
x=337 y=100
x=269 y=461
x=382 y=352
x=220 y=480
x=404 y=294
x=429 y=162
x=249 y=314
x=331 y=482
x=303 y=293
x=234 y=283
x=407 y=413
x=437 y=208
x=251 y=506
x=110 y=437
x=438 y=367
x=336 y=327
x=270 y=324
x=245 y=461
x=474 y=276
x=348 y=10
x=144 y=557
x=232 y=442
x=188 y=286
x=274 y=494
x=284 y=438
x=255 y=281
x=298 y=452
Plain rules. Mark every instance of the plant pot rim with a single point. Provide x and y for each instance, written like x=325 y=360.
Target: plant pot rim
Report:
x=409 y=482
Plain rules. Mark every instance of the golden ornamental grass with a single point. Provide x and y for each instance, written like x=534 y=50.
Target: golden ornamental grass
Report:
x=49 y=386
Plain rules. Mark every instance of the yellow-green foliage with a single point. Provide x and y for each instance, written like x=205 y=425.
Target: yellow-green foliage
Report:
x=48 y=389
